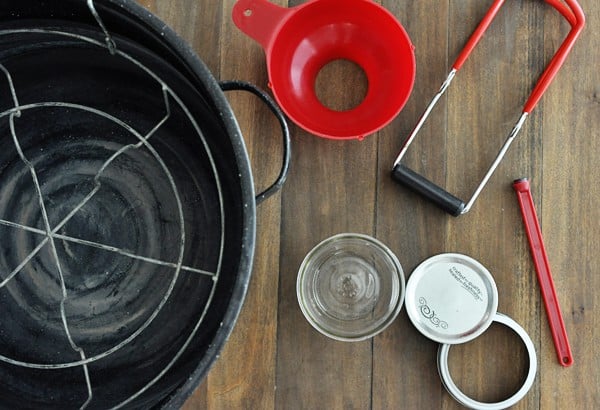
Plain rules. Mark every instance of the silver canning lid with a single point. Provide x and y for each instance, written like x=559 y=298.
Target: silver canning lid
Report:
x=350 y=287
x=466 y=401
x=451 y=298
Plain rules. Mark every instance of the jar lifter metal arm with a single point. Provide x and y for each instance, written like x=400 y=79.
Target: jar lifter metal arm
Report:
x=439 y=196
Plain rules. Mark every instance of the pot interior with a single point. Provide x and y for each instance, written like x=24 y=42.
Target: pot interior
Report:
x=121 y=221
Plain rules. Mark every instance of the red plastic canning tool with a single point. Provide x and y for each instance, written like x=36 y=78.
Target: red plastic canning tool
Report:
x=573 y=13
x=542 y=268
x=299 y=41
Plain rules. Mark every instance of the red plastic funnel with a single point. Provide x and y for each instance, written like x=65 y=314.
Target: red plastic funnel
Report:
x=300 y=41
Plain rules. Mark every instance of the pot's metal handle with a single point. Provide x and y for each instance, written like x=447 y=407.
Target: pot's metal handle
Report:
x=235 y=85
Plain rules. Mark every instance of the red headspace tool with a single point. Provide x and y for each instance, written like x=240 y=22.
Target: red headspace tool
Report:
x=542 y=267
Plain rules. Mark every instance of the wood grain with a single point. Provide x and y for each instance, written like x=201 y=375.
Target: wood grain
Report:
x=274 y=359
x=332 y=188
x=569 y=195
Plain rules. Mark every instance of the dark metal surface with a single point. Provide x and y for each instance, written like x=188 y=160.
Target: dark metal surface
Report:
x=126 y=206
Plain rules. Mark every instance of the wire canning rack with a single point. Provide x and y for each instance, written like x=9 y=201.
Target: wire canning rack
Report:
x=103 y=286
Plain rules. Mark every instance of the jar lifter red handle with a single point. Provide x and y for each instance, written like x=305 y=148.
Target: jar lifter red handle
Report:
x=542 y=268
x=573 y=13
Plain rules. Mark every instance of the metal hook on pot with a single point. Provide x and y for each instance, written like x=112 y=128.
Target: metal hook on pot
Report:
x=110 y=43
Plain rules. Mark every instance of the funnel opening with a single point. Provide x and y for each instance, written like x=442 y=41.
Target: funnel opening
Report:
x=328 y=30
x=341 y=77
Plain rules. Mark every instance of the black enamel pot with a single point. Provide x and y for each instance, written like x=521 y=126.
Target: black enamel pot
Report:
x=127 y=208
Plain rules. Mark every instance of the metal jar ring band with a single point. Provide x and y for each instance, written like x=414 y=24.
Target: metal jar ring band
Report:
x=511 y=401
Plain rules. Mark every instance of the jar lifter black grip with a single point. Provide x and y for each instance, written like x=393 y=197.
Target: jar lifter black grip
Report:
x=434 y=193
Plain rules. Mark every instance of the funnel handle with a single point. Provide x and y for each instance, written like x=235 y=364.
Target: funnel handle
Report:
x=259 y=19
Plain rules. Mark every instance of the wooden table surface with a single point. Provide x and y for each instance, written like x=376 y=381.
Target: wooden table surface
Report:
x=274 y=358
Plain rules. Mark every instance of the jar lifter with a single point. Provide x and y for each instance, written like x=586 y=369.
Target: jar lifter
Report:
x=573 y=13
